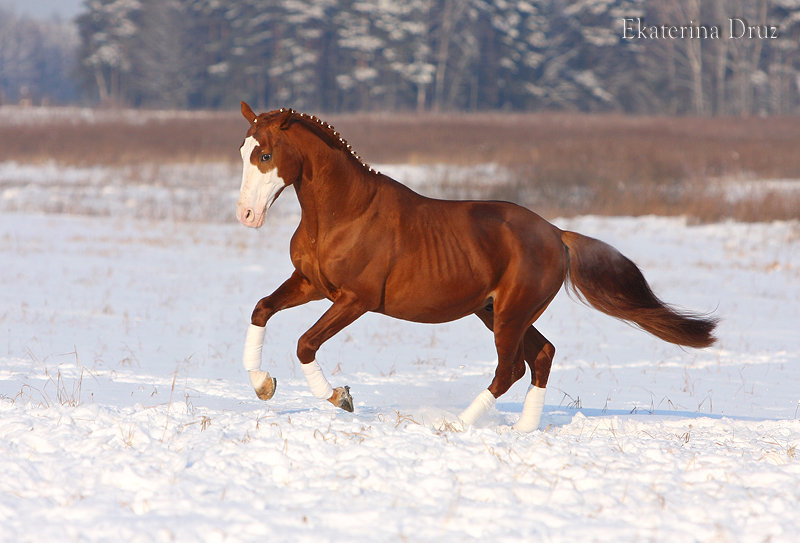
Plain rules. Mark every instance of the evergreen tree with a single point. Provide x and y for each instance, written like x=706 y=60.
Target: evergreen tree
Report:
x=344 y=55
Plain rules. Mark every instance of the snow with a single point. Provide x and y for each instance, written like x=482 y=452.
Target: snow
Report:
x=735 y=190
x=125 y=412
x=186 y=193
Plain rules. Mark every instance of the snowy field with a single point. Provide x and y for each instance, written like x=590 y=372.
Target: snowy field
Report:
x=125 y=413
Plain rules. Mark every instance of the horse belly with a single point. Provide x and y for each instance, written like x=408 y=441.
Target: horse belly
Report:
x=434 y=301
x=427 y=312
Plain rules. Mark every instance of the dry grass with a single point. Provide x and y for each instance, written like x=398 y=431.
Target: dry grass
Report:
x=561 y=164
x=67 y=391
x=123 y=139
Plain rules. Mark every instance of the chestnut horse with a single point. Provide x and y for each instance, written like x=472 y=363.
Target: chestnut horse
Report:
x=369 y=243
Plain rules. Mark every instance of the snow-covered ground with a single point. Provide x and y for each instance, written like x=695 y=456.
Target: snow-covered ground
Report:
x=184 y=192
x=125 y=413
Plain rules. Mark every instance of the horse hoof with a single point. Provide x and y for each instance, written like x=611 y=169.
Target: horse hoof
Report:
x=266 y=389
x=342 y=398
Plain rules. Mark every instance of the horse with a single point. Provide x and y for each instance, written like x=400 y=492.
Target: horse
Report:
x=369 y=243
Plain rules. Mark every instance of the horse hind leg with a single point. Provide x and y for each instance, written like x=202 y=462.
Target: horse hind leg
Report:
x=510 y=368
x=539 y=353
x=505 y=376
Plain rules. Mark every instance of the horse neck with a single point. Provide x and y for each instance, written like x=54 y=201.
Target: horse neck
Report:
x=334 y=187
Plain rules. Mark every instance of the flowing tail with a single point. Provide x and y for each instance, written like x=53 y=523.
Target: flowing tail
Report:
x=602 y=277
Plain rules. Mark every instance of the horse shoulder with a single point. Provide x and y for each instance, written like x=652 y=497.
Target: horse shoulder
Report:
x=301 y=253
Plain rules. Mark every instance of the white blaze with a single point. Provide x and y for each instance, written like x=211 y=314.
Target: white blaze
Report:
x=259 y=190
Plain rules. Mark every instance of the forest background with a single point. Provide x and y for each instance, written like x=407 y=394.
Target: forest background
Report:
x=416 y=55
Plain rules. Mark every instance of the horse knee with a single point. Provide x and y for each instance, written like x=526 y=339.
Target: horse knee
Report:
x=262 y=312
x=306 y=351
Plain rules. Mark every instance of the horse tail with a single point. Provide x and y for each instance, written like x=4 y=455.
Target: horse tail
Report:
x=605 y=279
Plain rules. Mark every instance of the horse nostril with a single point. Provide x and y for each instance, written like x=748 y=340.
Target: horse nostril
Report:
x=248 y=213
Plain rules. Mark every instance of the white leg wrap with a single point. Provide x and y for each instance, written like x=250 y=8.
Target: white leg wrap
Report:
x=252 y=347
x=477 y=408
x=262 y=382
x=320 y=387
x=531 y=410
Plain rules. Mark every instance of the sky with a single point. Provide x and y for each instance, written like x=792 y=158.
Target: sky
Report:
x=65 y=9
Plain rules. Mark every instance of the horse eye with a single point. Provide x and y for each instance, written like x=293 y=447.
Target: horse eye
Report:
x=266 y=157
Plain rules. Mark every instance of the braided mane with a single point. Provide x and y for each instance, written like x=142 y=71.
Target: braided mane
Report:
x=326 y=131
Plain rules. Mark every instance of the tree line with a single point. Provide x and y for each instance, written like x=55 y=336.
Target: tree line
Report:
x=423 y=55
x=37 y=60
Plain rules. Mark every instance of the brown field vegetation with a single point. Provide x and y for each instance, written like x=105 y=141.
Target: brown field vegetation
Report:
x=560 y=164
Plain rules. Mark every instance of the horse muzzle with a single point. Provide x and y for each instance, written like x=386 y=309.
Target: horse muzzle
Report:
x=249 y=217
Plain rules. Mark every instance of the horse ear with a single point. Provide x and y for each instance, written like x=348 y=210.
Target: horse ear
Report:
x=248 y=113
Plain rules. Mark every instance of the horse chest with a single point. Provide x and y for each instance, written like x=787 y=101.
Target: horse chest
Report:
x=305 y=255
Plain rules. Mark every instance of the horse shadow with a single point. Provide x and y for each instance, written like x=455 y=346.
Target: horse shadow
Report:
x=558 y=416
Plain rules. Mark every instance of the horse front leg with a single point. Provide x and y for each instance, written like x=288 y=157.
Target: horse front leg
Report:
x=295 y=291
x=346 y=308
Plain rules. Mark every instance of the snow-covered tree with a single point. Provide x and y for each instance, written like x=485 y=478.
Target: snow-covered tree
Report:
x=431 y=54
x=36 y=59
x=163 y=56
x=108 y=32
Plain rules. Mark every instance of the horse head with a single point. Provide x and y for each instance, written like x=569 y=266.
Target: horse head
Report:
x=270 y=164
